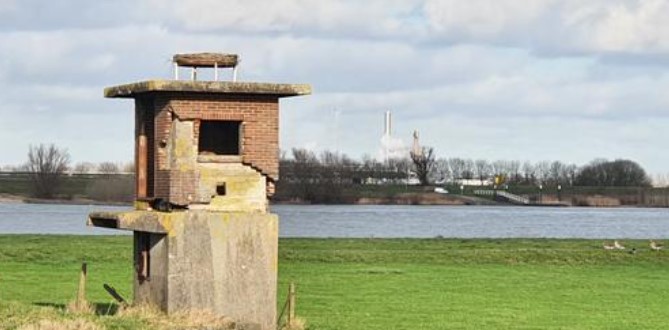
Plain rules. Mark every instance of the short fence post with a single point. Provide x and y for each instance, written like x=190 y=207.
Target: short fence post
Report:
x=291 y=304
x=81 y=294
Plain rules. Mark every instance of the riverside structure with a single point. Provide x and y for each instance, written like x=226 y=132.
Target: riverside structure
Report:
x=206 y=155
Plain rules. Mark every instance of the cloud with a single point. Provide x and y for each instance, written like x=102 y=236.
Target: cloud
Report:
x=542 y=79
x=547 y=27
x=483 y=19
x=79 y=56
x=631 y=26
x=554 y=28
x=335 y=18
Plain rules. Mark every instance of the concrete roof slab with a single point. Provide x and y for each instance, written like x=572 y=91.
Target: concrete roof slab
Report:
x=211 y=87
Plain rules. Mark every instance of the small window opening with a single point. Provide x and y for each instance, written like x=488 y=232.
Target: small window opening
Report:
x=219 y=138
x=220 y=189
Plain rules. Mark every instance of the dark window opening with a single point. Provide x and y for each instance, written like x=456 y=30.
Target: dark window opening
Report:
x=220 y=189
x=219 y=137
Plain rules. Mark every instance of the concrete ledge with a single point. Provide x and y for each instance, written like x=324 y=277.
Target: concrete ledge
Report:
x=219 y=159
x=146 y=221
x=211 y=87
x=163 y=222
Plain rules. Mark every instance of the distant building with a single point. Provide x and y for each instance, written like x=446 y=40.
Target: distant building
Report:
x=472 y=182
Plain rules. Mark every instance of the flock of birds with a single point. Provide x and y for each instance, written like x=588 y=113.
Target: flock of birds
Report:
x=617 y=246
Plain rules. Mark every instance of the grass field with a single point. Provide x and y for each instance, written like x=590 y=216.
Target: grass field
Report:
x=380 y=284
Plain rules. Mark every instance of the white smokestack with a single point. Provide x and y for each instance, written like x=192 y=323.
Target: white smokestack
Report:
x=391 y=147
x=388 y=123
x=416 y=149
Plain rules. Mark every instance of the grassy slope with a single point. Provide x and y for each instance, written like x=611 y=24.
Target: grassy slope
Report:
x=387 y=284
x=20 y=185
x=441 y=284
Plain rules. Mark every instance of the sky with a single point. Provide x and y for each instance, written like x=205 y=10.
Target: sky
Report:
x=533 y=80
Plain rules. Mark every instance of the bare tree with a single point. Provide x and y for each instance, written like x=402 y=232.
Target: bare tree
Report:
x=84 y=167
x=543 y=169
x=370 y=168
x=423 y=164
x=571 y=172
x=514 y=169
x=482 y=169
x=305 y=173
x=46 y=164
x=529 y=173
x=129 y=167
x=457 y=166
x=108 y=168
x=501 y=168
x=13 y=168
x=468 y=169
x=556 y=172
x=400 y=165
x=335 y=167
x=443 y=170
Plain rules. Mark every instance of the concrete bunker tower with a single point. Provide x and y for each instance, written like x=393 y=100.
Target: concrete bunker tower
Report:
x=206 y=155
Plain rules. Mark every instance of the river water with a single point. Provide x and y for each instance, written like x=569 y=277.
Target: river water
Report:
x=388 y=221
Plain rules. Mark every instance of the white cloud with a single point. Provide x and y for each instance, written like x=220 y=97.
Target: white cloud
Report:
x=483 y=18
x=642 y=26
x=374 y=18
x=545 y=26
x=543 y=79
x=550 y=26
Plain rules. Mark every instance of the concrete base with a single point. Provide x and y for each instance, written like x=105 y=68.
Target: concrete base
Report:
x=203 y=260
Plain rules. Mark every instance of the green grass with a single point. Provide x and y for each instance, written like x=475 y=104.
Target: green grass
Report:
x=20 y=185
x=383 y=283
x=76 y=185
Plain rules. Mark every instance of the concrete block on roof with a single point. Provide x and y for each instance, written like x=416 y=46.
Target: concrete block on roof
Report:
x=206 y=60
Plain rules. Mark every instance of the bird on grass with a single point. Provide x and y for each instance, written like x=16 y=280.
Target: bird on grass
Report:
x=655 y=247
x=618 y=246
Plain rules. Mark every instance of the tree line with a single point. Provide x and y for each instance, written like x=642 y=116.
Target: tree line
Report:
x=47 y=166
x=79 y=167
x=311 y=176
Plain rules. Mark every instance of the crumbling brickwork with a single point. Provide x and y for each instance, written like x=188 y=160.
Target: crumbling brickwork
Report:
x=259 y=115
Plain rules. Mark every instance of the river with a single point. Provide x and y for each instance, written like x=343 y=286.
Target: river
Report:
x=388 y=221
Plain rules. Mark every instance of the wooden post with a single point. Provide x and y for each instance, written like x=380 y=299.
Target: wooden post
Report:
x=141 y=166
x=115 y=294
x=81 y=294
x=141 y=150
x=291 y=304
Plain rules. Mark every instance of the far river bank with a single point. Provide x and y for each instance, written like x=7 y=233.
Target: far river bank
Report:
x=424 y=198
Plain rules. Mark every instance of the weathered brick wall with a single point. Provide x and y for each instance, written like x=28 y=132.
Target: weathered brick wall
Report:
x=259 y=114
x=164 y=187
x=176 y=185
x=260 y=145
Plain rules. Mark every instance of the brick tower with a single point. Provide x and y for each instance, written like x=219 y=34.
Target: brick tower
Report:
x=206 y=155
